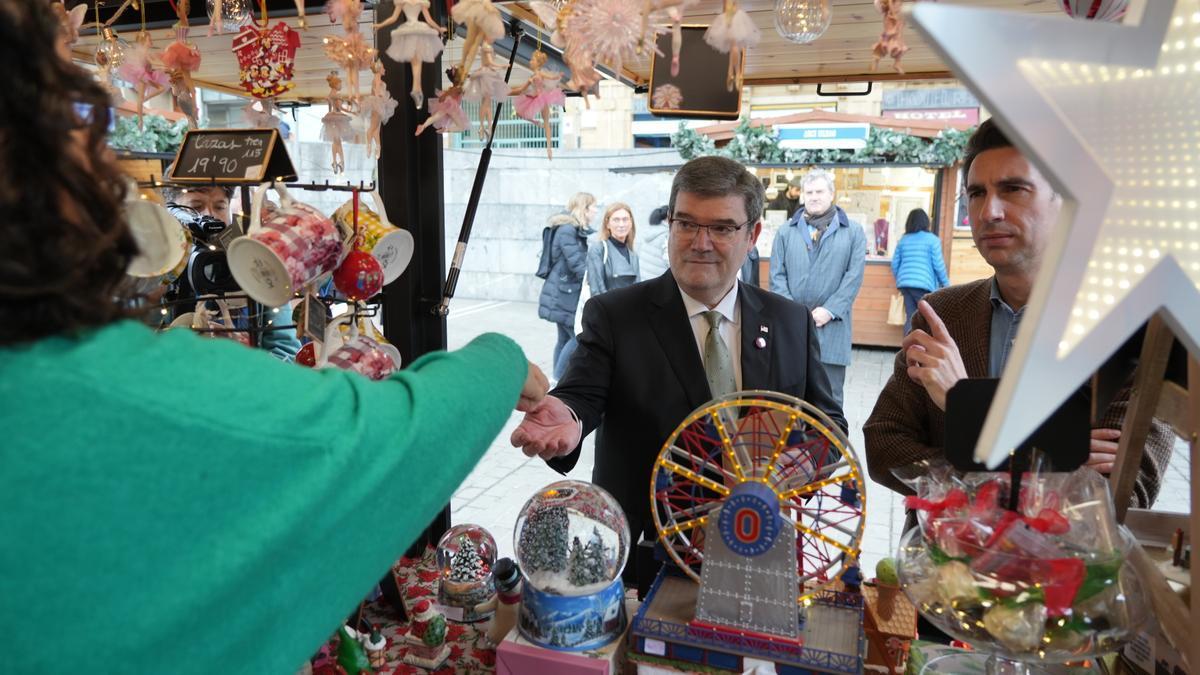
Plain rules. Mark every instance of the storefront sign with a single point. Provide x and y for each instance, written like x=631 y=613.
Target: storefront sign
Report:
x=928 y=99
x=232 y=156
x=967 y=116
x=822 y=136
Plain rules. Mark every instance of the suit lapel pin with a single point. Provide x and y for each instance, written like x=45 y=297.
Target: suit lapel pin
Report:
x=760 y=343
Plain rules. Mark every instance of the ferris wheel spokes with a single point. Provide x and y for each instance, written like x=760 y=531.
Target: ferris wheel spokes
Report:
x=780 y=443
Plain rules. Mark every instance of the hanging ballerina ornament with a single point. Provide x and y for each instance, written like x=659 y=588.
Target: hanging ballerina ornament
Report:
x=539 y=92
x=376 y=109
x=671 y=11
x=891 y=40
x=576 y=53
x=733 y=32
x=351 y=53
x=181 y=58
x=138 y=70
x=416 y=41
x=486 y=84
x=446 y=112
x=335 y=125
x=483 y=23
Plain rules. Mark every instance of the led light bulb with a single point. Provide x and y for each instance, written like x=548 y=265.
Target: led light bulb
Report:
x=234 y=13
x=802 y=21
x=112 y=51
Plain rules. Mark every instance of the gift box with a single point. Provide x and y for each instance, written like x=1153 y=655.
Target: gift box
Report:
x=518 y=656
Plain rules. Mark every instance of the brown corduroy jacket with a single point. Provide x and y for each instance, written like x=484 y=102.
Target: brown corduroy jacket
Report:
x=907 y=427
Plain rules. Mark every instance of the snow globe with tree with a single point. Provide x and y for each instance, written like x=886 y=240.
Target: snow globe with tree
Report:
x=465 y=556
x=572 y=541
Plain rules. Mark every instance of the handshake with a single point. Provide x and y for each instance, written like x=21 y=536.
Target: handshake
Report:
x=549 y=429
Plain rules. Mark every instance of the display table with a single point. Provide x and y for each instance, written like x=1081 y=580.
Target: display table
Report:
x=417 y=578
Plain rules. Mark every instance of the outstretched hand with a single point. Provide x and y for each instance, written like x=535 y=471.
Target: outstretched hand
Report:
x=934 y=361
x=549 y=430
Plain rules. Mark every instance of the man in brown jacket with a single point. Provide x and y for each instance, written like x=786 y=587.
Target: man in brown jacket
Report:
x=968 y=330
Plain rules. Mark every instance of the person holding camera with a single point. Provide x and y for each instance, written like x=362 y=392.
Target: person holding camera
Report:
x=205 y=212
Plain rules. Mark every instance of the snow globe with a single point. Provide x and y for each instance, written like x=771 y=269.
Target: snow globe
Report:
x=465 y=556
x=572 y=541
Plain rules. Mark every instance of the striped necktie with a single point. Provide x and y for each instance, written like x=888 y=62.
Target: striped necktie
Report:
x=718 y=364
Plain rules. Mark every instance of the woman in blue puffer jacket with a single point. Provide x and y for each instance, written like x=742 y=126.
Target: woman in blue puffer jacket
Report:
x=917 y=263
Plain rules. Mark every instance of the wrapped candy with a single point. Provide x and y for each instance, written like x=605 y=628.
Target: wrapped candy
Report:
x=1018 y=628
x=955 y=583
x=1047 y=581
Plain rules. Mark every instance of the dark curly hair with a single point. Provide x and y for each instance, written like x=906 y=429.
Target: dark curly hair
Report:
x=987 y=137
x=64 y=244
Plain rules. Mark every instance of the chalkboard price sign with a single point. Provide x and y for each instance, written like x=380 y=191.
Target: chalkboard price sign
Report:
x=232 y=156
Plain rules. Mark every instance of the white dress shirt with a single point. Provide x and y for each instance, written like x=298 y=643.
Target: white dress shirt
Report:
x=730 y=326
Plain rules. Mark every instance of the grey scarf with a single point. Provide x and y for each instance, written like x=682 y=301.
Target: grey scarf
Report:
x=822 y=221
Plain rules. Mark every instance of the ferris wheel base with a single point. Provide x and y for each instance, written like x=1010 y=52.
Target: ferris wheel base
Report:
x=665 y=628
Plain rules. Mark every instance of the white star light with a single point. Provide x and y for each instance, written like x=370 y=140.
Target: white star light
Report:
x=1110 y=114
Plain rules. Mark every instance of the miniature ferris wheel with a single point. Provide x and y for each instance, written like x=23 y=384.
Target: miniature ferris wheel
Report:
x=749 y=467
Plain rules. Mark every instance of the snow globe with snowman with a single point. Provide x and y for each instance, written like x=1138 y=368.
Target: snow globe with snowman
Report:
x=572 y=541
x=465 y=556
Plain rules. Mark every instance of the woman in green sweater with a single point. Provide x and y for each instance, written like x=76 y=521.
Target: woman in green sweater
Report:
x=170 y=503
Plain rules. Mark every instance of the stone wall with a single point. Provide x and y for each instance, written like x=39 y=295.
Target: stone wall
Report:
x=523 y=189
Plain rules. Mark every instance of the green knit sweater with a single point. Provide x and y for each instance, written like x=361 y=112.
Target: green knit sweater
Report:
x=172 y=503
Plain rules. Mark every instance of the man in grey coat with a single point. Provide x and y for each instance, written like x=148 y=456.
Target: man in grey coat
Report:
x=817 y=260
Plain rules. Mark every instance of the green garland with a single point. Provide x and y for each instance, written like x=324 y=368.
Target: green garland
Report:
x=759 y=144
x=156 y=135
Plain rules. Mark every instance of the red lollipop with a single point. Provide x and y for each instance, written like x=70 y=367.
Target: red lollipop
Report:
x=359 y=277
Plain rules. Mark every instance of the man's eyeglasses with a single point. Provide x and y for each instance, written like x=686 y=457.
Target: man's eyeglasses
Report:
x=721 y=233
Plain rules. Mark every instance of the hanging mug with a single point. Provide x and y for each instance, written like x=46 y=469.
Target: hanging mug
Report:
x=162 y=242
x=367 y=327
x=284 y=250
x=358 y=353
x=392 y=246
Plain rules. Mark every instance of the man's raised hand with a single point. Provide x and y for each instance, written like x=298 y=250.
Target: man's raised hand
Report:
x=933 y=358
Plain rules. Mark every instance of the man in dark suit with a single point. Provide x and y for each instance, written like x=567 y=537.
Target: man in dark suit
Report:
x=649 y=355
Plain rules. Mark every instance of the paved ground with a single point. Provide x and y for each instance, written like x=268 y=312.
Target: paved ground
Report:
x=497 y=489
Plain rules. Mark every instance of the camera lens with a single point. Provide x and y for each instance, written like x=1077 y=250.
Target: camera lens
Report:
x=204 y=228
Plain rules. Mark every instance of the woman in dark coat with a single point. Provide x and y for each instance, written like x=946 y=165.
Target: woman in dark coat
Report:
x=568 y=253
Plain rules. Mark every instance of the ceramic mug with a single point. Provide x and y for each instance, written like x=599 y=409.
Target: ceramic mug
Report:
x=162 y=242
x=356 y=353
x=392 y=246
x=284 y=249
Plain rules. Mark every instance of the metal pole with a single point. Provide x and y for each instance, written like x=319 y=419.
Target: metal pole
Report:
x=485 y=159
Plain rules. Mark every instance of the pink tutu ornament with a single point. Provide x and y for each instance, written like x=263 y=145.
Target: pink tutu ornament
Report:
x=141 y=74
x=446 y=112
x=530 y=105
x=538 y=93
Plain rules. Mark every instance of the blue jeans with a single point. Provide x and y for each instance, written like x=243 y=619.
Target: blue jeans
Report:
x=566 y=335
x=564 y=357
x=911 y=297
